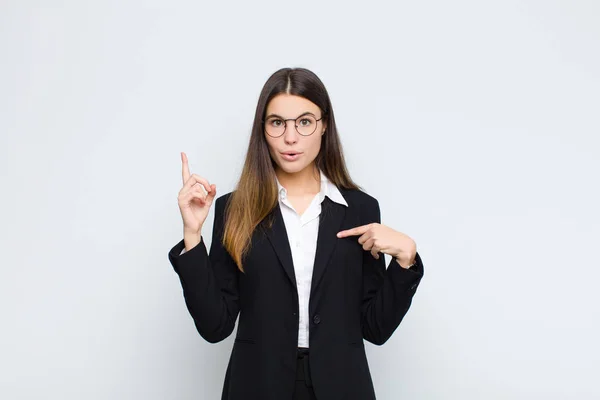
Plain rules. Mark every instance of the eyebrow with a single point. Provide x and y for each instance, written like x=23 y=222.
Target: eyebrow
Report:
x=279 y=116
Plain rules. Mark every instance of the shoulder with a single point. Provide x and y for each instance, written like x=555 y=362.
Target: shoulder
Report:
x=359 y=198
x=223 y=199
x=366 y=205
x=219 y=205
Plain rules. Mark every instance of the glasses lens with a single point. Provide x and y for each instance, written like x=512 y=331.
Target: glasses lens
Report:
x=306 y=125
x=274 y=126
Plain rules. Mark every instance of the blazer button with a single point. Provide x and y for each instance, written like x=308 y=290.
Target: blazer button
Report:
x=317 y=319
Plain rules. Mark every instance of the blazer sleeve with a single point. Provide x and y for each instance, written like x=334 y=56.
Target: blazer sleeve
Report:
x=209 y=282
x=387 y=293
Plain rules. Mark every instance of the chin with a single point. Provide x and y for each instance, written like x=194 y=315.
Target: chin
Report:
x=291 y=168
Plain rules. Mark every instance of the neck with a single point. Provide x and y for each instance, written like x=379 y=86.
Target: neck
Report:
x=304 y=182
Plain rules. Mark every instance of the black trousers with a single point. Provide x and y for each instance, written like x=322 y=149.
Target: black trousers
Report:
x=303 y=389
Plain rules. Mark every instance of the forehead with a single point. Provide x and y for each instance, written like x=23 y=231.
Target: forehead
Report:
x=289 y=106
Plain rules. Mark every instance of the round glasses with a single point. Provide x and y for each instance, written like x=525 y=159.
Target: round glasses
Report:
x=305 y=125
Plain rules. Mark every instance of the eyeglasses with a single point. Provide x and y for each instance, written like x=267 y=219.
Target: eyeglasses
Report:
x=305 y=125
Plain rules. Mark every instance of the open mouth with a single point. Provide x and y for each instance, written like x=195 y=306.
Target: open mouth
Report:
x=290 y=156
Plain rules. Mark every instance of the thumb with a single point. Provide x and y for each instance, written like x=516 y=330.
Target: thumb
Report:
x=211 y=195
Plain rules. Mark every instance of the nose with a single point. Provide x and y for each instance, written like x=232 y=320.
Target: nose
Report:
x=291 y=134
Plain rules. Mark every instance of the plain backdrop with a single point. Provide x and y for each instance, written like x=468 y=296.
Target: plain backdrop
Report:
x=475 y=124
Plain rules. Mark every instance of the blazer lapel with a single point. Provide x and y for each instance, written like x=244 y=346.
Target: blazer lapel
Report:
x=279 y=240
x=330 y=222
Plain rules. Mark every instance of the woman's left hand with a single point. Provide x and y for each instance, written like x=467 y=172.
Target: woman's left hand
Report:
x=376 y=237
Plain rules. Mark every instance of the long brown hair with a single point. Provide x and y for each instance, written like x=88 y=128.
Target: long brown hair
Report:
x=255 y=196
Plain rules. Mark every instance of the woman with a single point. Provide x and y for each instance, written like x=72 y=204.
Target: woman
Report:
x=297 y=251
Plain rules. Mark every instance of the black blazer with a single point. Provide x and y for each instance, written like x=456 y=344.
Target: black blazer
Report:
x=353 y=297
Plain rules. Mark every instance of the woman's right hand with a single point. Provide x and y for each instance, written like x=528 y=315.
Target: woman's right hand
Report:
x=194 y=204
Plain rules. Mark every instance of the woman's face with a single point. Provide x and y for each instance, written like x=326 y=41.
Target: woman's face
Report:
x=306 y=148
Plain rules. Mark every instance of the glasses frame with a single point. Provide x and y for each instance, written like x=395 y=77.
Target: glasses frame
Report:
x=295 y=125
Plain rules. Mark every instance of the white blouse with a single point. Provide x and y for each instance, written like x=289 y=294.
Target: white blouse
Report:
x=302 y=233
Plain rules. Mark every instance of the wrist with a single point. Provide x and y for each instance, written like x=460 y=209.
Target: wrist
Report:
x=192 y=233
x=404 y=262
x=191 y=239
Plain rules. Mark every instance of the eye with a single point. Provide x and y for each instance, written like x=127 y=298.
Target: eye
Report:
x=275 y=122
x=305 y=122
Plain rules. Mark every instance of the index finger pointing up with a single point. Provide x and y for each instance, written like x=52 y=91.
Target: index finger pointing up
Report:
x=185 y=167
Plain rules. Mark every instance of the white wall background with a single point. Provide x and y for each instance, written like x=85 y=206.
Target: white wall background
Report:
x=476 y=125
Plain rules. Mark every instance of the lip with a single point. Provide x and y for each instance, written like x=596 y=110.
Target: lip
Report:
x=289 y=157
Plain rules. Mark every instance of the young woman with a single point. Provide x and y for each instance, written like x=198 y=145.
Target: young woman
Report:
x=297 y=251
